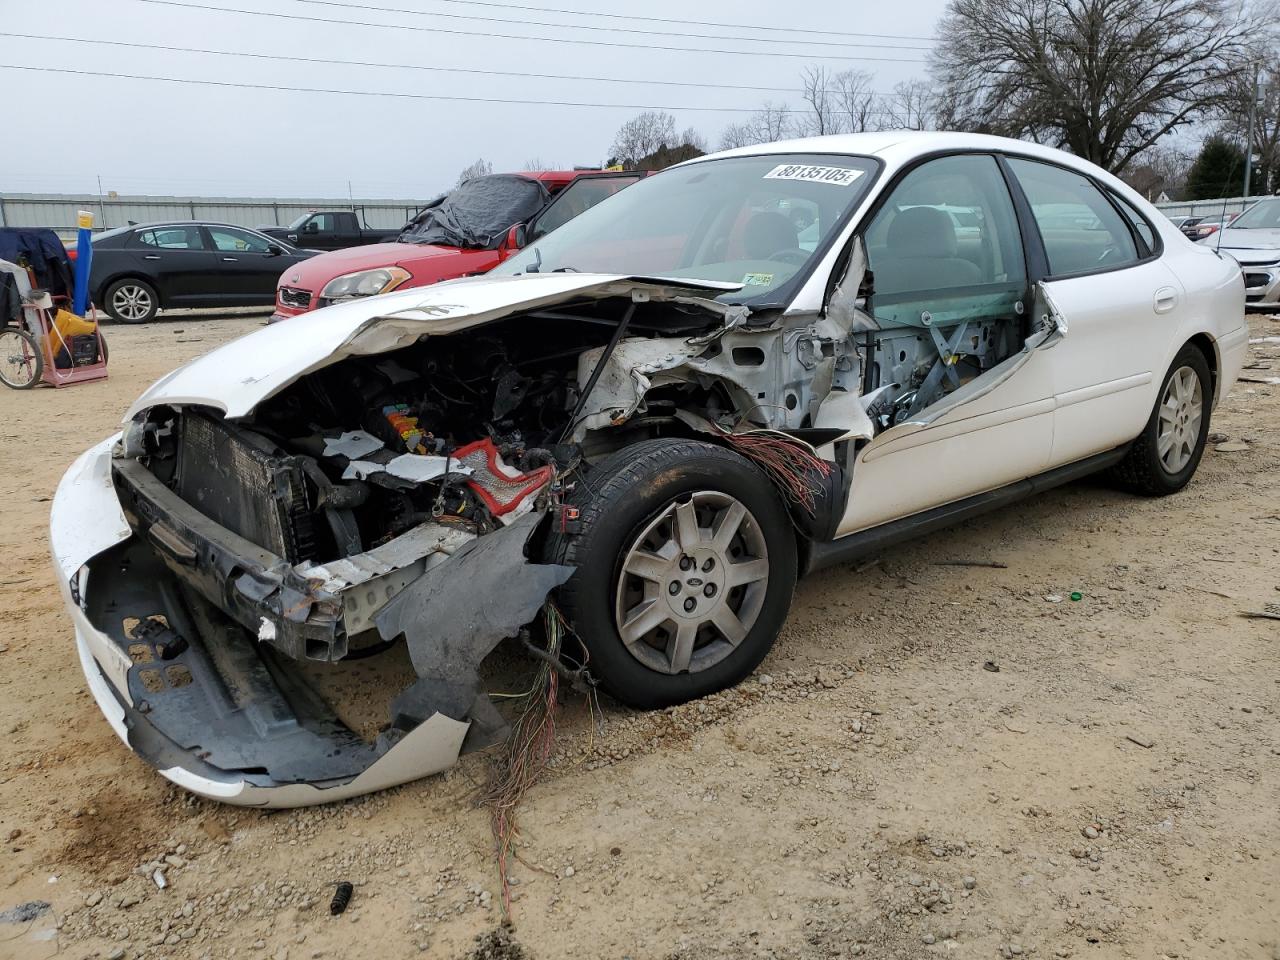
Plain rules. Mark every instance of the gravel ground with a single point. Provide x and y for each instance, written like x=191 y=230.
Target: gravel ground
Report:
x=877 y=789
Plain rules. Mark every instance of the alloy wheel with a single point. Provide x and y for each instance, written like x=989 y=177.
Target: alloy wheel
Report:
x=692 y=584
x=131 y=302
x=1181 y=409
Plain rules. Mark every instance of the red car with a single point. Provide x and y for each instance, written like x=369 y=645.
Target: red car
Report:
x=466 y=232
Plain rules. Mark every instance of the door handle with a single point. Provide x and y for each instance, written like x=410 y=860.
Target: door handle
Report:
x=151 y=256
x=230 y=259
x=1166 y=299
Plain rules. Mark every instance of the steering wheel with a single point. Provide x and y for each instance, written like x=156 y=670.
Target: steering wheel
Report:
x=791 y=255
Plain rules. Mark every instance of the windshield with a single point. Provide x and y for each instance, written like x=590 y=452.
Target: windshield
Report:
x=478 y=213
x=1263 y=215
x=758 y=221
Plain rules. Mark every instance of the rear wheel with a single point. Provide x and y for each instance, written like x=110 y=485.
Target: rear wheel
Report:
x=21 y=363
x=686 y=563
x=1164 y=457
x=131 y=301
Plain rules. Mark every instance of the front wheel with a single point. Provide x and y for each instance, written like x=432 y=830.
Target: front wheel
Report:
x=686 y=563
x=1164 y=457
x=21 y=362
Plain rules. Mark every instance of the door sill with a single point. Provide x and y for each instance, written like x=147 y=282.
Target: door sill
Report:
x=864 y=542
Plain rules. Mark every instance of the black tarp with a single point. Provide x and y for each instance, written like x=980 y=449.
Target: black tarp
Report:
x=479 y=212
x=45 y=253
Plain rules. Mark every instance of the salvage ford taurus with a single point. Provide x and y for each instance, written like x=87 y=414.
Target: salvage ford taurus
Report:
x=657 y=418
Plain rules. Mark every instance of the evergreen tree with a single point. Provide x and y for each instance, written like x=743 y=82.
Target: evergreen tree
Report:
x=1218 y=171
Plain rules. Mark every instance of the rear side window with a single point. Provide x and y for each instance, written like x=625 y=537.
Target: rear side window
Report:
x=1141 y=226
x=172 y=238
x=1081 y=230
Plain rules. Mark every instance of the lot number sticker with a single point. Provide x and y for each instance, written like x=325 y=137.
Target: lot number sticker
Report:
x=838 y=176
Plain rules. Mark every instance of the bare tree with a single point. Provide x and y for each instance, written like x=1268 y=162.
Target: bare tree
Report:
x=1162 y=169
x=738 y=135
x=537 y=163
x=1266 y=123
x=770 y=123
x=692 y=138
x=911 y=106
x=1105 y=79
x=643 y=135
x=816 y=90
x=481 y=168
x=855 y=105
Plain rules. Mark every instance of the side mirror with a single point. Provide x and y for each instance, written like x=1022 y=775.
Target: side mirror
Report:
x=515 y=238
x=273 y=250
x=311 y=227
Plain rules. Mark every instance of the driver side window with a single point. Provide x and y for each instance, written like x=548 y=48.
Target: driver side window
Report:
x=945 y=246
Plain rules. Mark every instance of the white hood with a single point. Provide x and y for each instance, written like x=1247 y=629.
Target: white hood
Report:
x=239 y=375
x=1247 y=246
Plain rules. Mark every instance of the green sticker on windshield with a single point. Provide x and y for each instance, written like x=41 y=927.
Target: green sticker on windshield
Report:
x=757 y=279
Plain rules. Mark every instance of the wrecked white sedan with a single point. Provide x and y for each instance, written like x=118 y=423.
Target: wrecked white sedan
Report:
x=656 y=418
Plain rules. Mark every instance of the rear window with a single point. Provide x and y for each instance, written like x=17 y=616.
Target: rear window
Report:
x=172 y=238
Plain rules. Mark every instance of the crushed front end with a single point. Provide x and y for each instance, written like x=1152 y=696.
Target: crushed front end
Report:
x=293 y=605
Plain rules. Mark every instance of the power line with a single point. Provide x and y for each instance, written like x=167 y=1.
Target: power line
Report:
x=880 y=95
x=695 y=23
x=395 y=66
x=508 y=36
x=585 y=26
x=393 y=94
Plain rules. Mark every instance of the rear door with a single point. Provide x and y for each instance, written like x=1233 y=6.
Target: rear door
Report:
x=346 y=231
x=1103 y=271
x=177 y=259
x=246 y=269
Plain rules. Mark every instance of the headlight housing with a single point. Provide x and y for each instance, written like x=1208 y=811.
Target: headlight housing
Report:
x=364 y=283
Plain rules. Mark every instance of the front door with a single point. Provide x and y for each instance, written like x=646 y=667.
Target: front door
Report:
x=246 y=269
x=1105 y=275
x=947 y=259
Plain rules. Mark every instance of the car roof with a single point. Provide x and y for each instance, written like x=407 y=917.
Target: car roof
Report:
x=184 y=223
x=898 y=146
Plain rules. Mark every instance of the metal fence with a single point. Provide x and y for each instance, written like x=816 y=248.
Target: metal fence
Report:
x=1205 y=208
x=59 y=210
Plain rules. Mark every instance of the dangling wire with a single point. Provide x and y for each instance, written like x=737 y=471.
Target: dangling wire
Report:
x=527 y=749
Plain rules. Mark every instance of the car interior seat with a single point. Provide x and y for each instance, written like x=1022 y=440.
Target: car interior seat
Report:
x=921 y=253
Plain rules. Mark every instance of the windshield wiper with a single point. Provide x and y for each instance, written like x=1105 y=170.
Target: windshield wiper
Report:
x=536 y=266
x=566 y=270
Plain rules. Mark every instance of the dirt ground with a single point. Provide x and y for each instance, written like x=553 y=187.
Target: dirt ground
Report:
x=1113 y=790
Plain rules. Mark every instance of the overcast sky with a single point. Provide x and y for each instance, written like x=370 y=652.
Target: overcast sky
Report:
x=152 y=137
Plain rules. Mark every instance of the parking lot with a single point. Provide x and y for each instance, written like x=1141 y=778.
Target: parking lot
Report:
x=935 y=759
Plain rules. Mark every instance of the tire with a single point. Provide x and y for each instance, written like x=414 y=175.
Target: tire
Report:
x=21 y=360
x=1153 y=467
x=629 y=507
x=131 y=301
